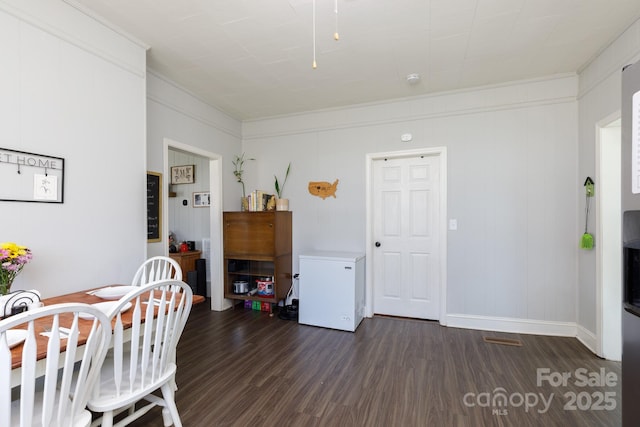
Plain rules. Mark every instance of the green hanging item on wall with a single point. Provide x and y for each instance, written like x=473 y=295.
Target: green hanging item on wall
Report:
x=587 y=238
x=589 y=187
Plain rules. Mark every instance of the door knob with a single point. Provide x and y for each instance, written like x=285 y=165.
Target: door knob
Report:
x=377 y=244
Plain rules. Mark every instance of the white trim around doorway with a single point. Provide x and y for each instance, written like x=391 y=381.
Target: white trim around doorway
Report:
x=218 y=302
x=441 y=153
x=608 y=310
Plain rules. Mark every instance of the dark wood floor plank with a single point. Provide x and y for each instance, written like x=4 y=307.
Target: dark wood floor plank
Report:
x=244 y=368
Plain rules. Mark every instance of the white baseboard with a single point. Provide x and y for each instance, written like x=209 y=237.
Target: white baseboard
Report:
x=517 y=326
x=588 y=339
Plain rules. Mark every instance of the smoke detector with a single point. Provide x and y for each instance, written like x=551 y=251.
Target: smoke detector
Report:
x=413 y=78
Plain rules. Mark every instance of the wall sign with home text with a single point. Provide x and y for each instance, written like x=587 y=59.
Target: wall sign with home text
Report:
x=31 y=177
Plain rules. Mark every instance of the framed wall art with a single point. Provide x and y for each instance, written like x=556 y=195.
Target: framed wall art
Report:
x=201 y=199
x=31 y=177
x=183 y=174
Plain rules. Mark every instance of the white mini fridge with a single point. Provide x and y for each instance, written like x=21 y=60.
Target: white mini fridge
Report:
x=331 y=290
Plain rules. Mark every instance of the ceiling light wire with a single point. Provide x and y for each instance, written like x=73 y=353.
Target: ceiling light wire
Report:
x=314 y=65
x=336 y=35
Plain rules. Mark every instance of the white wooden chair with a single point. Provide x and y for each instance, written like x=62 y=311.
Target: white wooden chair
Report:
x=59 y=398
x=152 y=270
x=146 y=362
x=155 y=269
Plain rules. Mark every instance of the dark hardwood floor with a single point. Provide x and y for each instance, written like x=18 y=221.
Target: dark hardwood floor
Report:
x=244 y=368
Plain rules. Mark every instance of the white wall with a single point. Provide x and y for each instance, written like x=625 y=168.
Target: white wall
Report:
x=73 y=88
x=512 y=186
x=599 y=98
x=177 y=118
x=173 y=113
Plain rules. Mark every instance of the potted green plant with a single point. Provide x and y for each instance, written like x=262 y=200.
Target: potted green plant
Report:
x=238 y=162
x=282 y=204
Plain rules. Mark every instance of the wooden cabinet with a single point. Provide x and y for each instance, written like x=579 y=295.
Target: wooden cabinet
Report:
x=187 y=261
x=257 y=247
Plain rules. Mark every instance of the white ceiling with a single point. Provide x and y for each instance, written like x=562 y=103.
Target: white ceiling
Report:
x=252 y=58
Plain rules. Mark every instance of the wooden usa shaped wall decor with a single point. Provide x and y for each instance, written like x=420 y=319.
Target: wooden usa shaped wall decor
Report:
x=323 y=189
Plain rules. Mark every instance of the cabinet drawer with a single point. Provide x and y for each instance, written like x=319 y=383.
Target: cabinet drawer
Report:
x=187 y=261
x=255 y=237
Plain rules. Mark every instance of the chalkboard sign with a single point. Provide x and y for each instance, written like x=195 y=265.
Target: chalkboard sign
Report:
x=154 y=206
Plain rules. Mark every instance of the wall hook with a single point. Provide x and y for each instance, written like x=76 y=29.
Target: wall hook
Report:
x=589 y=187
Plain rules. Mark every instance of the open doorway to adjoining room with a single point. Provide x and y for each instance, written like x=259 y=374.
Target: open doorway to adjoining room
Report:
x=192 y=219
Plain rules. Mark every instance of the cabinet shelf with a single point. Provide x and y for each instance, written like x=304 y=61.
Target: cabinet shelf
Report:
x=257 y=245
x=271 y=300
x=263 y=273
x=249 y=257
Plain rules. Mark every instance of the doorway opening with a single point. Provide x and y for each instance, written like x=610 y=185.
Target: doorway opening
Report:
x=608 y=239
x=214 y=265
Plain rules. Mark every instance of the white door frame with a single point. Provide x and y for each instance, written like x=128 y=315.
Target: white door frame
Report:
x=601 y=310
x=441 y=153
x=218 y=302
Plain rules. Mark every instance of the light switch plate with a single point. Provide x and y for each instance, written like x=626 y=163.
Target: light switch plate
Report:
x=453 y=224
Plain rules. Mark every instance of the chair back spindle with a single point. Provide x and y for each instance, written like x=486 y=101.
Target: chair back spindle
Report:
x=156 y=269
x=144 y=355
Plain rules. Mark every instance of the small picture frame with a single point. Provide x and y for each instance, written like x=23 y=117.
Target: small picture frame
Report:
x=201 y=199
x=183 y=174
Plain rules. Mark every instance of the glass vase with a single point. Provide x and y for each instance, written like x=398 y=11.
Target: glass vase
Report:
x=5 y=286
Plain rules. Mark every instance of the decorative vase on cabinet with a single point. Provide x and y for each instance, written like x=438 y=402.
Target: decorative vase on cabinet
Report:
x=257 y=250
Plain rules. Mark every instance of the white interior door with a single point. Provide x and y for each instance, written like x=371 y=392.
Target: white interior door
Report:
x=405 y=219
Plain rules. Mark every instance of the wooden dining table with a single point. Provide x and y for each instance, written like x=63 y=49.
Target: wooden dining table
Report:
x=85 y=296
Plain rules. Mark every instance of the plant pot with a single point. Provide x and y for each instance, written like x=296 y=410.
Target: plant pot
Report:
x=282 y=204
